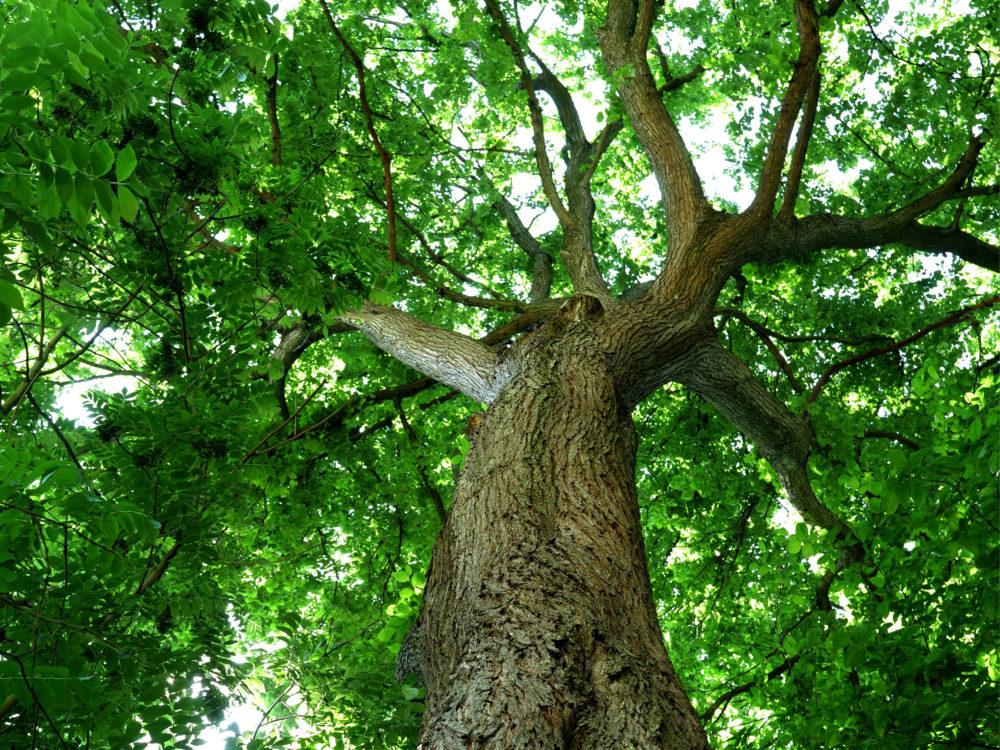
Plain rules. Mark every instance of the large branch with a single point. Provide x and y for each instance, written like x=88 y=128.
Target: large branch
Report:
x=624 y=39
x=790 y=238
x=831 y=232
x=537 y=128
x=787 y=209
x=951 y=240
x=576 y=218
x=806 y=22
x=467 y=365
x=783 y=439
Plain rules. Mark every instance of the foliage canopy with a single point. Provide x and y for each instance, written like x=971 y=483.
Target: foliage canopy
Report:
x=193 y=194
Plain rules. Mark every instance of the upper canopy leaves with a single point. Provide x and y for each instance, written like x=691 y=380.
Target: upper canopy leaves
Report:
x=191 y=199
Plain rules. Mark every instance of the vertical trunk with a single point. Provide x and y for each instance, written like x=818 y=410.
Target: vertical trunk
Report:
x=538 y=627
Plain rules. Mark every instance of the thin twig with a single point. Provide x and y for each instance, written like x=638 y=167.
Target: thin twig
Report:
x=284 y=422
x=948 y=321
x=370 y=123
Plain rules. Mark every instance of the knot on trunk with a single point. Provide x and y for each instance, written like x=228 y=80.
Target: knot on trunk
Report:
x=579 y=307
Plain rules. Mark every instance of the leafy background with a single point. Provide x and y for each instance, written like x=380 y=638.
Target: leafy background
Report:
x=234 y=528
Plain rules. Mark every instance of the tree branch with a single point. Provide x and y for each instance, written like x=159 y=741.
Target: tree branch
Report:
x=624 y=52
x=782 y=438
x=794 y=237
x=436 y=258
x=723 y=700
x=385 y=156
x=764 y=335
x=576 y=220
x=827 y=231
x=465 y=364
x=948 y=321
x=787 y=209
x=498 y=338
x=806 y=22
x=541 y=278
x=940 y=240
x=537 y=128
x=157 y=573
x=33 y=372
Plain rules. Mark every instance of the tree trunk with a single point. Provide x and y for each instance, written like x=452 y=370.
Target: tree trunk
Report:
x=538 y=627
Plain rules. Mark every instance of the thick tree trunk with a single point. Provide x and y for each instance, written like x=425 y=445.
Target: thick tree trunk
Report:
x=538 y=627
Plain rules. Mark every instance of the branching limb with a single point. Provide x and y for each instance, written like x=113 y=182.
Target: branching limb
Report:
x=156 y=573
x=827 y=231
x=720 y=703
x=913 y=445
x=436 y=258
x=451 y=295
x=764 y=335
x=787 y=210
x=806 y=22
x=336 y=417
x=733 y=312
x=33 y=373
x=537 y=128
x=948 y=189
x=951 y=240
x=788 y=239
x=465 y=364
x=723 y=380
x=548 y=82
x=576 y=219
x=541 y=278
x=293 y=343
x=623 y=46
x=672 y=82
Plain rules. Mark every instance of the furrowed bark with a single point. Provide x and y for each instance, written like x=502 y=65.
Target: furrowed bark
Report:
x=538 y=628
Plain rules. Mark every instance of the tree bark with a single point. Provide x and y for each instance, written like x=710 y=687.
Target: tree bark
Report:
x=538 y=628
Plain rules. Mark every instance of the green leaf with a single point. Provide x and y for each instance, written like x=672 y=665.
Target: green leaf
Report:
x=64 y=184
x=125 y=164
x=128 y=204
x=107 y=201
x=101 y=158
x=37 y=232
x=79 y=151
x=10 y=296
x=84 y=190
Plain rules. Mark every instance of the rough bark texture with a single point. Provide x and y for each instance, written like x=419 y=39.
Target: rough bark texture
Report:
x=538 y=627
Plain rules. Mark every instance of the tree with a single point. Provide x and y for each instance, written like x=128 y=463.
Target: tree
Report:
x=763 y=430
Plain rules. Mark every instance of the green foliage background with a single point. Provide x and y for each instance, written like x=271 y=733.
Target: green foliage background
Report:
x=177 y=553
